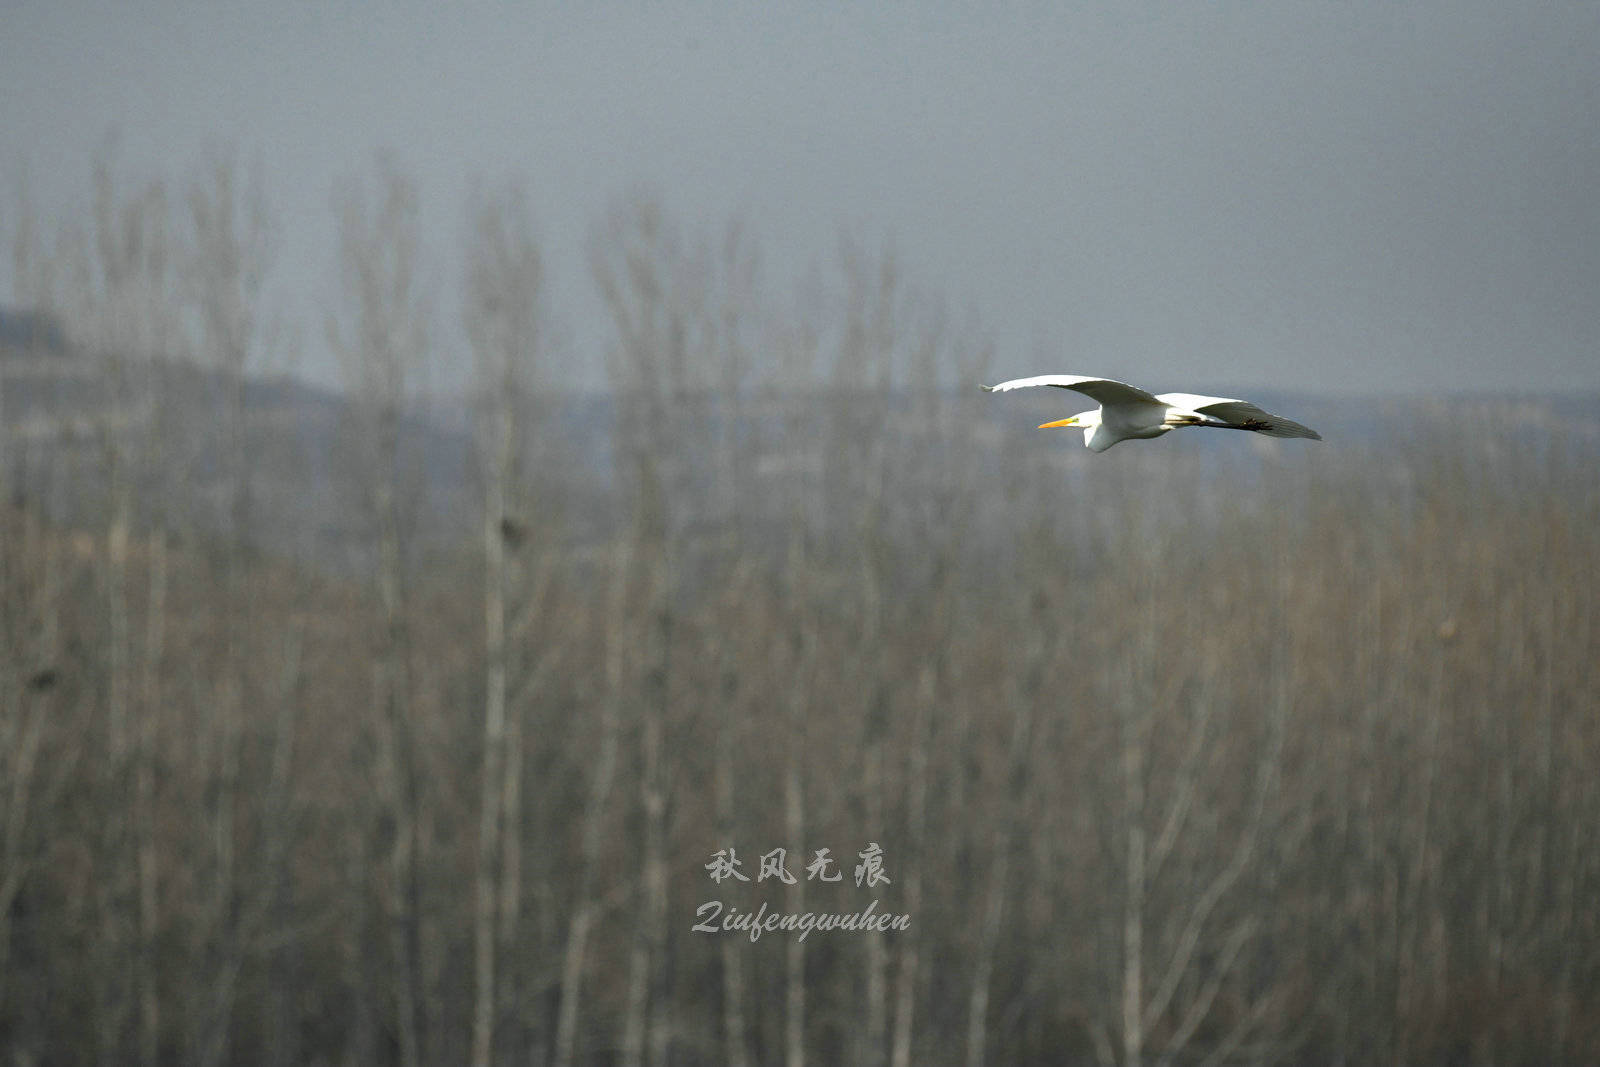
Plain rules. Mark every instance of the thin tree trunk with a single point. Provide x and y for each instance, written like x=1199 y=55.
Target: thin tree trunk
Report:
x=143 y=810
x=1133 y=889
x=916 y=822
x=118 y=966
x=983 y=970
x=733 y=1027
x=872 y=784
x=279 y=905
x=794 y=799
x=600 y=784
x=794 y=825
x=494 y=754
x=26 y=711
x=655 y=850
x=645 y=1026
x=999 y=884
x=1407 y=982
x=394 y=705
x=509 y=903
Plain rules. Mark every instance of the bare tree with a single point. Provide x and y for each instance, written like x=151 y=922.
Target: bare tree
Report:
x=30 y=630
x=227 y=268
x=634 y=263
x=504 y=275
x=597 y=797
x=381 y=347
x=1023 y=688
x=728 y=311
x=117 y=288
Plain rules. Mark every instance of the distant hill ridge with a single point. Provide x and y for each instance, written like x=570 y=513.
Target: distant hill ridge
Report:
x=30 y=332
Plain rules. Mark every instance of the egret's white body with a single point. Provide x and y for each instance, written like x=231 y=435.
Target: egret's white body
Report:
x=1126 y=411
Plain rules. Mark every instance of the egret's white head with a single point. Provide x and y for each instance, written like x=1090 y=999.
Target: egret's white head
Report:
x=1090 y=423
x=1084 y=420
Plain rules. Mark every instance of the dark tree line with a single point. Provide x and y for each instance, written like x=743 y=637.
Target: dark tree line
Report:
x=1245 y=752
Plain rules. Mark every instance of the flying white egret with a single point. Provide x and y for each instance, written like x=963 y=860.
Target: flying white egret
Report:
x=1126 y=411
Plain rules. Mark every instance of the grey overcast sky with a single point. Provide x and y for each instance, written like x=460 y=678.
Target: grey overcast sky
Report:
x=1343 y=196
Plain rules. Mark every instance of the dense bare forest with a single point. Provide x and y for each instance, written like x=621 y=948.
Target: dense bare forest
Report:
x=1195 y=752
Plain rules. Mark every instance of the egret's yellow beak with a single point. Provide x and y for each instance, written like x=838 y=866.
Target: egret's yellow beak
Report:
x=1061 y=422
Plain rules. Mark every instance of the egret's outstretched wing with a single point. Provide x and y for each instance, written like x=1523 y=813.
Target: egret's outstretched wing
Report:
x=1240 y=415
x=1103 y=391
